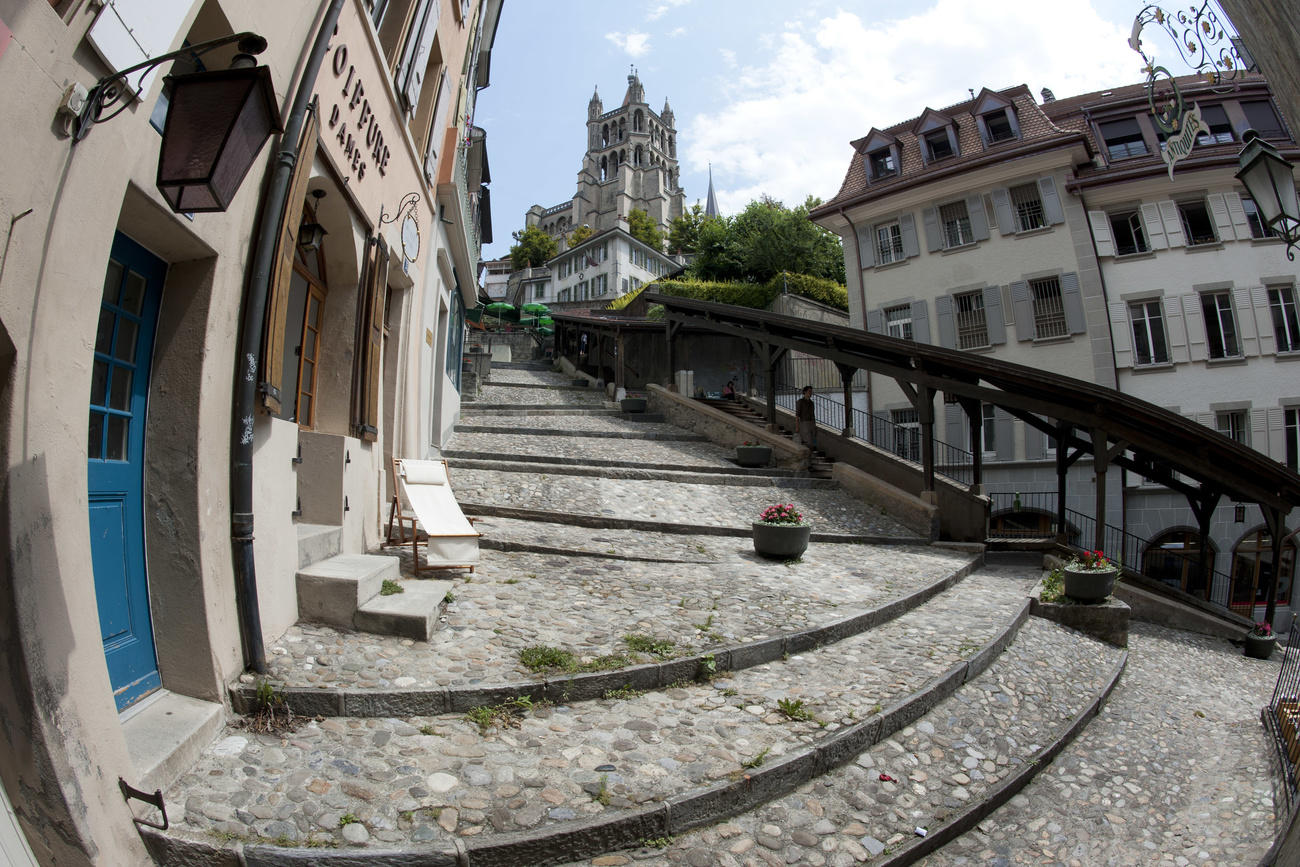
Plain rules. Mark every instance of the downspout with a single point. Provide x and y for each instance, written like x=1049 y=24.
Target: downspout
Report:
x=862 y=296
x=245 y=397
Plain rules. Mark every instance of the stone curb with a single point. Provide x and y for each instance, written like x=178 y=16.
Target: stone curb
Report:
x=602 y=522
x=684 y=475
x=936 y=838
x=530 y=548
x=314 y=701
x=468 y=459
x=693 y=809
x=471 y=409
x=597 y=434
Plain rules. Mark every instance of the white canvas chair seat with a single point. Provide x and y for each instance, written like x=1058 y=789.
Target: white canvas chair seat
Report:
x=450 y=541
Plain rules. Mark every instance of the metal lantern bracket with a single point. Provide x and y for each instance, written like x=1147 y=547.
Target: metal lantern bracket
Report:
x=407 y=203
x=115 y=88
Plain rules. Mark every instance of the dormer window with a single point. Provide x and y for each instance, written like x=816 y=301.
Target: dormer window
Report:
x=1123 y=138
x=883 y=164
x=997 y=127
x=996 y=117
x=939 y=146
x=1218 y=127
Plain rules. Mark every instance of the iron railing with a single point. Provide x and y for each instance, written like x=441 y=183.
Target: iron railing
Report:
x=1282 y=716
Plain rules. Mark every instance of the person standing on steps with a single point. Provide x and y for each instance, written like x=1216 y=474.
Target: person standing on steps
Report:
x=805 y=419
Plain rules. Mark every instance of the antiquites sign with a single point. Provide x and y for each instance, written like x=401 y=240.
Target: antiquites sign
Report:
x=353 y=122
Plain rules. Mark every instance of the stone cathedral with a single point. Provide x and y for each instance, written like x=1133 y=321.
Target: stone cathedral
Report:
x=631 y=162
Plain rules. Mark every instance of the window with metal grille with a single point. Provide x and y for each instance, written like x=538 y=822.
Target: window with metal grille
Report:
x=1130 y=237
x=1049 y=309
x=889 y=243
x=1029 y=207
x=972 y=326
x=956 y=225
x=1286 y=325
x=1149 y=344
x=1232 y=424
x=898 y=321
x=1220 y=327
x=1197 y=225
x=1258 y=228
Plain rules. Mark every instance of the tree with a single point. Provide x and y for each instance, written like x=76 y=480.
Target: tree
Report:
x=533 y=248
x=641 y=227
x=684 y=231
x=580 y=234
x=765 y=239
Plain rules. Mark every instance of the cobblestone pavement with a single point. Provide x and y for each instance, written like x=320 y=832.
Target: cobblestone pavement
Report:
x=510 y=376
x=829 y=511
x=516 y=395
x=641 y=453
x=588 y=605
x=1174 y=771
x=425 y=778
x=571 y=425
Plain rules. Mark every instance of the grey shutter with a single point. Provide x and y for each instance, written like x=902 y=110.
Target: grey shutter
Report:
x=1222 y=221
x=415 y=56
x=1023 y=310
x=1276 y=433
x=866 y=248
x=907 y=224
x=1173 y=223
x=1101 y=235
x=1072 y=299
x=954 y=420
x=1051 y=201
x=1120 y=336
x=1003 y=431
x=876 y=321
x=1155 y=228
x=1238 y=215
x=1258 y=430
x=947 y=325
x=979 y=220
x=920 y=323
x=994 y=320
x=933 y=240
x=1035 y=444
x=1002 y=211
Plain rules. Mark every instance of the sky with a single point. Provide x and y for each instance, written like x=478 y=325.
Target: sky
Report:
x=769 y=92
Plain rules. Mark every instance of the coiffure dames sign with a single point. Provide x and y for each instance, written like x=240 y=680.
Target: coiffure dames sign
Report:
x=351 y=121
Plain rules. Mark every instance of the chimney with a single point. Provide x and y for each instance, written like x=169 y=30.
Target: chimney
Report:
x=1048 y=96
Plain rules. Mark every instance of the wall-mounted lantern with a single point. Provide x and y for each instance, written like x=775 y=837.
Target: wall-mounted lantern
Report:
x=1269 y=179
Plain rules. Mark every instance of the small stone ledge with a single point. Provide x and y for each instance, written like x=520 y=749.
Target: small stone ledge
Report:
x=1106 y=621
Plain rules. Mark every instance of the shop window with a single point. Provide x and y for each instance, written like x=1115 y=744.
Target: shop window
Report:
x=1174 y=559
x=1252 y=571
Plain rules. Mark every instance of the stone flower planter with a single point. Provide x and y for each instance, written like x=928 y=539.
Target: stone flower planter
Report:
x=1089 y=585
x=1260 y=646
x=632 y=404
x=753 y=456
x=780 y=541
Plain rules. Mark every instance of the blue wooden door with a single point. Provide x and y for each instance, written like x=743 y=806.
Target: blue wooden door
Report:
x=115 y=451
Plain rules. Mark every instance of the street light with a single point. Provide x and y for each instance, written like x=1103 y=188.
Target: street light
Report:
x=217 y=122
x=1269 y=180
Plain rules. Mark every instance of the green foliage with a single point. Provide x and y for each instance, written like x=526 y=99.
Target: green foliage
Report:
x=390 y=588
x=684 y=231
x=819 y=289
x=580 y=234
x=757 y=761
x=544 y=658
x=623 y=692
x=347 y=819
x=532 y=248
x=1053 y=586
x=657 y=647
x=507 y=714
x=641 y=227
x=795 y=710
x=765 y=239
x=740 y=294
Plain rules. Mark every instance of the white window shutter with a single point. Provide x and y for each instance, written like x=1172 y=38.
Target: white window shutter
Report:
x=1276 y=417
x=1155 y=228
x=1245 y=321
x=1023 y=310
x=920 y=322
x=1222 y=222
x=994 y=320
x=438 y=132
x=944 y=320
x=1002 y=211
x=866 y=247
x=1258 y=430
x=415 y=56
x=1120 y=334
x=1206 y=419
x=907 y=225
x=1193 y=318
x=1100 y=224
x=1264 y=317
x=1051 y=201
x=1176 y=330
x=128 y=32
x=1238 y=216
x=1173 y=224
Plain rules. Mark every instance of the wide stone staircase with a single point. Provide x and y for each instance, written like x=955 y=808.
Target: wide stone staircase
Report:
x=623 y=680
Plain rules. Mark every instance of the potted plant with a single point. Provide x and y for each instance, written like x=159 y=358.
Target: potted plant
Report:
x=1261 y=640
x=780 y=533
x=1090 y=577
x=632 y=403
x=752 y=454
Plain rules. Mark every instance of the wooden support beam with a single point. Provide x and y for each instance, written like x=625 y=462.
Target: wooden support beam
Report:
x=925 y=410
x=1273 y=518
x=975 y=420
x=846 y=379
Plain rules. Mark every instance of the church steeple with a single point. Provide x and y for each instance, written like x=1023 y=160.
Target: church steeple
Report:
x=667 y=115
x=635 y=92
x=711 y=203
x=595 y=107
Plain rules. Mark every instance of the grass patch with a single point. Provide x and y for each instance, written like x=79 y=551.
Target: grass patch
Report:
x=270 y=713
x=660 y=648
x=429 y=730
x=449 y=598
x=544 y=658
x=390 y=588
x=511 y=581
x=622 y=693
x=508 y=714
x=601 y=795
x=347 y=819
x=757 y=761
x=657 y=842
x=794 y=709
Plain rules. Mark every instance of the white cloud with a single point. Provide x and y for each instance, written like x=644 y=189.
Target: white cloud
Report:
x=676 y=31
x=659 y=11
x=635 y=44
x=786 y=124
x=728 y=57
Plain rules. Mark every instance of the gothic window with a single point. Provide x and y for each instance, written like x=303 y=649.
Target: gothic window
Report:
x=604 y=135
x=672 y=145
x=636 y=158
x=604 y=168
x=638 y=121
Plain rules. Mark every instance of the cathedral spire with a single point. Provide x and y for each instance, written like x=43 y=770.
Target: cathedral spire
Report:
x=667 y=114
x=711 y=203
x=635 y=92
x=595 y=107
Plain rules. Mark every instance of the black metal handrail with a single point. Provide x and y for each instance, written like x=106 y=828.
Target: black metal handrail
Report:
x=1282 y=715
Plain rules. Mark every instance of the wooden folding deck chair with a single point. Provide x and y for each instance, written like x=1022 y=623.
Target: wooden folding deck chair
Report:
x=450 y=540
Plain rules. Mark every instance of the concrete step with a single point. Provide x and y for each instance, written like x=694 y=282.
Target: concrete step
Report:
x=736 y=476
x=317 y=542
x=332 y=590
x=166 y=733
x=415 y=613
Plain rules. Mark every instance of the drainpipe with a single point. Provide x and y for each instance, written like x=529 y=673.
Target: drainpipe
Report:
x=862 y=296
x=245 y=397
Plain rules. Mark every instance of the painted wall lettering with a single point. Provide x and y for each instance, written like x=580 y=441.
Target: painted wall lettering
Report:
x=363 y=145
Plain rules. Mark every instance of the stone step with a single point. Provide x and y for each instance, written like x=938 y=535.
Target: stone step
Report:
x=166 y=733
x=734 y=476
x=658 y=436
x=332 y=590
x=414 y=613
x=576 y=778
x=469 y=457
x=470 y=408
x=317 y=542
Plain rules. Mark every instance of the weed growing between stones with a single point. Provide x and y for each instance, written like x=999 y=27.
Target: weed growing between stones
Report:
x=543 y=658
x=1053 y=587
x=270 y=713
x=429 y=730
x=967 y=647
x=657 y=842
x=511 y=581
x=660 y=648
x=794 y=709
x=347 y=819
x=756 y=761
x=449 y=598
x=508 y=714
x=390 y=588
x=622 y=693
x=601 y=795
